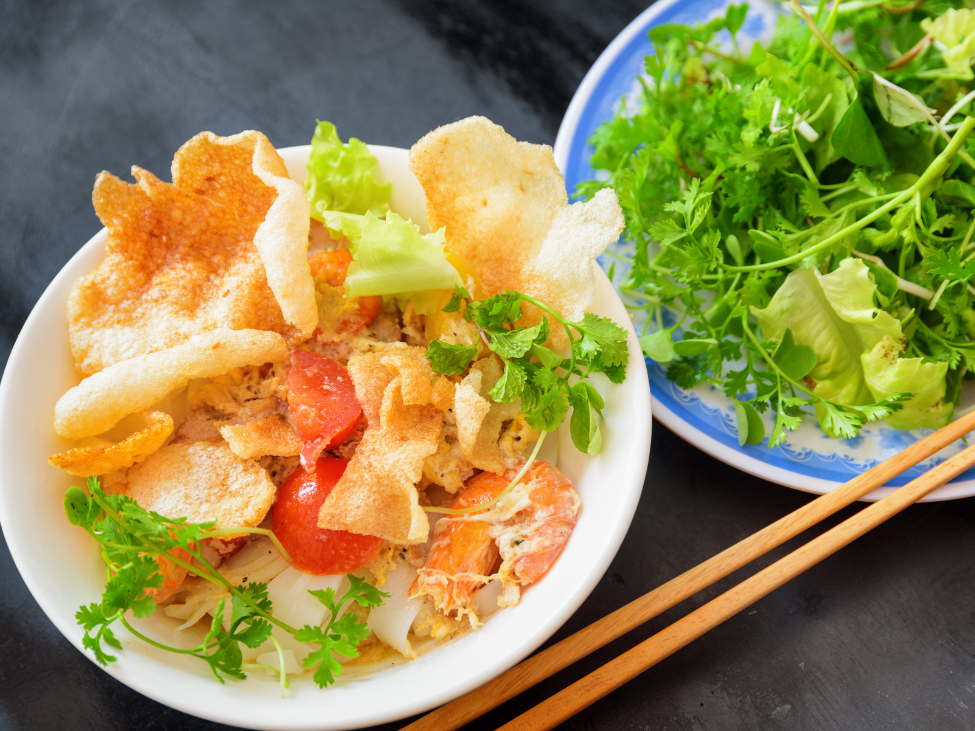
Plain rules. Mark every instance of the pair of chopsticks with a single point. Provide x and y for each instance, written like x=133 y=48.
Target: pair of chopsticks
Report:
x=612 y=675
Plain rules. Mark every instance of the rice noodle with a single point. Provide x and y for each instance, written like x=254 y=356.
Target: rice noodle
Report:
x=392 y=620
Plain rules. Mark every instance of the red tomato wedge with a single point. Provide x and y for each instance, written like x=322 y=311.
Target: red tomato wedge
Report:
x=322 y=402
x=315 y=550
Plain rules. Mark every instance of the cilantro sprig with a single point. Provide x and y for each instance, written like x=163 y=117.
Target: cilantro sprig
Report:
x=546 y=382
x=130 y=538
x=736 y=168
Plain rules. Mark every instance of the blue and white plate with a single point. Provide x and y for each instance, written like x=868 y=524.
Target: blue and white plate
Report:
x=810 y=460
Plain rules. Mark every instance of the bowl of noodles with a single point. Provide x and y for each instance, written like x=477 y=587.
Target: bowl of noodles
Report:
x=64 y=570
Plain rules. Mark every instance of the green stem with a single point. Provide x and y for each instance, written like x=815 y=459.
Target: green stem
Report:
x=823 y=40
x=934 y=171
x=284 y=678
x=803 y=162
x=560 y=319
x=496 y=498
x=256 y=531
x=167 y=648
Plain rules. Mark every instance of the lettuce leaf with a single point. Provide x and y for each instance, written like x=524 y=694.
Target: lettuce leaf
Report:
x=956 y=30
x=857 y=346
x=834 y=314
x=391 y=257
x=887 y=375
x=341 y=177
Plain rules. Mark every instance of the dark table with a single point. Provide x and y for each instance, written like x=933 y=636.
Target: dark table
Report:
x=880 y=636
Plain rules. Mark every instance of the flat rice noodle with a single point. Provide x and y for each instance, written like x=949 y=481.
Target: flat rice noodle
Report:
x=100 y=460
x=266 y=437
x=225 y=245
x=100 y=401
x=503 y=203
x=202 y=481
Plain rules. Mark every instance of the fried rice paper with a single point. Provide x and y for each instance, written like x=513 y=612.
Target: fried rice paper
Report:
x=496 y=196
x=202 y=481
x=100 y=401
x=377 y=493
x=480 y=418
x=265 y=437
x=100 y=460
x=225 y=245
x=503 y=203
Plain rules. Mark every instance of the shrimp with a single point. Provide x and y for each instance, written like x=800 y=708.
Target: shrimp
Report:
x=172 y=573
x=526 y=538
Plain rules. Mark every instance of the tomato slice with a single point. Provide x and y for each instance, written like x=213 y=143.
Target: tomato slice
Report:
x=322 y=402
x=316 y=550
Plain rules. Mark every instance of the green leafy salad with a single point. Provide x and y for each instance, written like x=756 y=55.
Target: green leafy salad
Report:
x=802 y=213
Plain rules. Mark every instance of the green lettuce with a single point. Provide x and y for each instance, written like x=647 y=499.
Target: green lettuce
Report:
x=341 y=177
x=391 y=257
x=888 y=375
x=857 y=345
x=956 y=30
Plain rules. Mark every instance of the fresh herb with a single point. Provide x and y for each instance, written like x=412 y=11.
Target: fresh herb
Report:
x=546 y=382
x=802 y=220
x=131 y=539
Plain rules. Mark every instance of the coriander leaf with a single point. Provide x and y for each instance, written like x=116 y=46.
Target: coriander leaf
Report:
x=549 y=412
x=363 y=593
x=125 y=590
x=242 y=608
x=603 y=338
x=949 y=266
x=327 y=666
x=326 y=597
x=352 y=632
x=838 y=422
x=783 y=423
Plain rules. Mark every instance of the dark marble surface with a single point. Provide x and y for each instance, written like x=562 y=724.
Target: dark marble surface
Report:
x=880 y=636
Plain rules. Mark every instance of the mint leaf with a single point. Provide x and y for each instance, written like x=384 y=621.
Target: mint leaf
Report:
x=451 y=359
x=511 y=383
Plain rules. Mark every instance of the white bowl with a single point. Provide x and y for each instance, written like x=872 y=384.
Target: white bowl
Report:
x=61 y=567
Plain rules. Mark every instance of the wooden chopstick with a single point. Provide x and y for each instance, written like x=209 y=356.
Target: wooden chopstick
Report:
x=612 y=675
x=559 y=656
